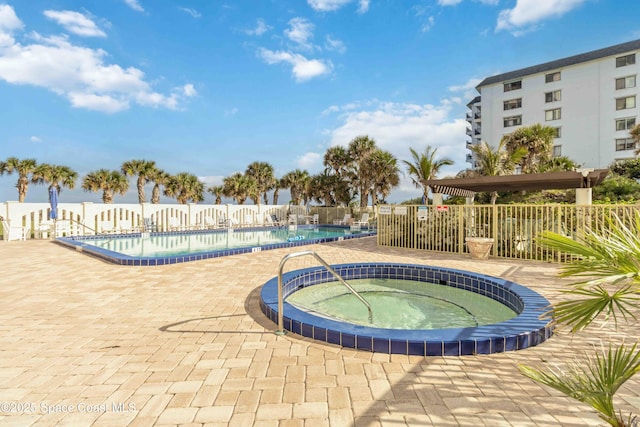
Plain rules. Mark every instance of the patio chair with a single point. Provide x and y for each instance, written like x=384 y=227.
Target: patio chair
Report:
x=174 y=224
x=149 y=225
x=363 y=221
x=104 y=227
x=43 y=230
x=209 y=223
x=10 y=232
x=344 y=221
x=315 y=219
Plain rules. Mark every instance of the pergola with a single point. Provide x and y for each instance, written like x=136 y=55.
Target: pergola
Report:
x=467 y=187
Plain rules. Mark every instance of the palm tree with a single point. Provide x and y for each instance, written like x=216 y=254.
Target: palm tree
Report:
x=55 y=175
x=218 y=191
x=108 y=181
x=609 y=263
x=559 y=164
x=360 y=150
x=635 y=134
x=241 y=187
x=262 y=172
x=537 y=140
x=24 y=168
x=276 y=189
x=496 y=162
x=144 y=170
x=425 y=167
x=158 y=177
x=185 y=187
x=296 y=181
x=386 y=174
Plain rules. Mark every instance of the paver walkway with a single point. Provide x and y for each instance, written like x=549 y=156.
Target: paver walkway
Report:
x=84 y=342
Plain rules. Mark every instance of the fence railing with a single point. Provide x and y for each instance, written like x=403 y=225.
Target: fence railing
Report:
x=513 y=228
x=87 y=217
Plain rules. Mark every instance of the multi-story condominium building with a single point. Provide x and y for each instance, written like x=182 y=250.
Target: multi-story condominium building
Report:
x=589 y=99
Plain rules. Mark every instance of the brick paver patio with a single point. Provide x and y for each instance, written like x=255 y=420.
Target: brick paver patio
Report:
x=84 y=342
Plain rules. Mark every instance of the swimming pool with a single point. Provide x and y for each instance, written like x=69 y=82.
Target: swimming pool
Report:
x=526 y=329
x=148 y=249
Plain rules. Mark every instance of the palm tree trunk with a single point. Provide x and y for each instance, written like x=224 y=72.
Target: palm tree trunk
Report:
x=155 y=194
x=141 y=196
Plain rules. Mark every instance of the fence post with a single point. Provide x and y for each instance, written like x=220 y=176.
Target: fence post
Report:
x=494 y=226
x=461 y=231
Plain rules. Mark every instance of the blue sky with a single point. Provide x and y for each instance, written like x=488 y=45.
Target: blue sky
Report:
x=210 y=87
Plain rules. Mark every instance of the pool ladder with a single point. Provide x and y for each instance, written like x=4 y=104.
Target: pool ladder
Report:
x=281 y=330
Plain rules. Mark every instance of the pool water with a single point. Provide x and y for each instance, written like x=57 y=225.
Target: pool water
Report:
x=186 y=243
x=401 y=304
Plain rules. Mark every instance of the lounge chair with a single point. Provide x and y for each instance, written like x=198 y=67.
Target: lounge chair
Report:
x=105 y=227
x=174 y=224
x=14 y=232
x=344 y=221
x=209 y=223
x=272 y=221
x=315 y=219
x=149 y=226
x=43 y=230
x=364 y=220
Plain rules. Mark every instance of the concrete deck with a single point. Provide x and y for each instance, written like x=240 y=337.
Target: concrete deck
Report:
x=84 y=342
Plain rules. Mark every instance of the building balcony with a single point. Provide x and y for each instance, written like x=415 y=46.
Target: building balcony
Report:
x=469 y=158
x=469 y=132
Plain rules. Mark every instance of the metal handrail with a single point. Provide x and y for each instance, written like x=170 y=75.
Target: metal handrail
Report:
x=284 y=260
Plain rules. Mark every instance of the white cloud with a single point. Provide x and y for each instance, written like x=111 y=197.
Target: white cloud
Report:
x=310 y=161
x=260 y=28
x=300 y=31
x=35 y=139
x=9 y=21
x=212 y=180
x=529 y=12
x=194 y=13
x=334 y=44
x=449 y=2
x=328 y=5
x=427 y=25
x=79 y=74
x=303 y=68
x=75 y=23
x=364 y=6
x=189 y=91
x=133 y=4
x=396 y=127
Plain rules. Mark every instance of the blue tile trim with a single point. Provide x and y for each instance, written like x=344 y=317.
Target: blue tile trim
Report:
x=78 y=243
x=525 y=330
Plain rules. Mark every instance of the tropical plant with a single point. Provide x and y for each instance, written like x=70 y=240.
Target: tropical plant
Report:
x=24 y=168
x=108 y=181
x=635 y=134
x=218 y=191
x=159 y=178
x=616 y=188
x=296 y=181
x=385 y=174
x=360 y=150
x=496 y=162
x=144 y=170
x=558 y=164
x=425 y=167
x=263 y=175
x=56 y=176
x=629 y=168
x=241 y=187
x=538 y=142
x=185 y=187
x=339 y=165
x=608 y=264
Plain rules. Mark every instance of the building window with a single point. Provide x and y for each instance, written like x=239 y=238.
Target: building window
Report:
x=624 y=144
x=552 y=96
x=625 y=82
x=622 y=61
x=512 y=104
x=552 y=77
x=512 y=121
x=626 y=103
x=552 y=114
x=557 y=133
x=513 y=86
x=557 y=150
x=625 y=124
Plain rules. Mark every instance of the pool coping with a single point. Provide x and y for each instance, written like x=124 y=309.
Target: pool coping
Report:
x=525 y=330
x=77 y=243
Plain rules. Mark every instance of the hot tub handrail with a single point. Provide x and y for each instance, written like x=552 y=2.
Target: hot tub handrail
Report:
x=329 y=269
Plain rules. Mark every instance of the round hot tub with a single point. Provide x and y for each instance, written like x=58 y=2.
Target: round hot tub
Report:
x=417 y=309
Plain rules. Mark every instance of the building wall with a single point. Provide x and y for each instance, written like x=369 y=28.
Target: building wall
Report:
x=588 y=108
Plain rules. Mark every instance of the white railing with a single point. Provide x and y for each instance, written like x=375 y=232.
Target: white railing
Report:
x=88 y=217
